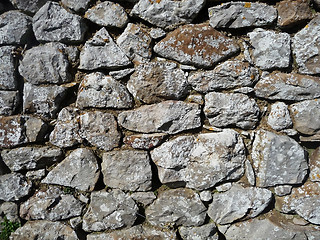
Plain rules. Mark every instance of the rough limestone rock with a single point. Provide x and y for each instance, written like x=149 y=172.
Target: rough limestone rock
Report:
x=314 y=163
x=201 y=161
x=102 y=52
x=282 y=190
x=304 y=114
x=236 y=15
x=76 y=5
x=228 y=109
x=237 y=203
x=11 y=131
x=278 y=159
x=109 y=210
x=15 y=28
x=168 y=13
x=51 y=204
x=79 y=170
x=120 y=168
x=66 y=131
x=100 y=91
x=45 y=230
x=270 y=49
x=108 y=14
x=155 y=81
x=100 y=129
x=36 y=174
x=290 y=87
x=45 y=64
x=10 y=211
x=305 y=46
x=145 y=198
x=135 y=232
x=144 y=141
x=13 y=187
x=177 y=206
x=120 y=74
x=36 y=129
x=157 y=33
x=135 y=41
x=227 y=75
x=196 y=44
x=8 y=102
x=52 y=23
x=279 y=116
x=8 y=79
x=205 y=232
x=168 y=117
x=28 y=158
x=29 y=6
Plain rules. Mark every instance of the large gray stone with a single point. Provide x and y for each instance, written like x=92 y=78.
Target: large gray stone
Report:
x=15 y=28
x=177 y=207
x=227 y=75
x=155 y=81
x=13 y=187
x=52 y=23
x=102 y=52
x=279 y=116
x=231 y=109
x=278 y=159
x=205 y=232
x=79 y=170
x=29 y=6
x=167 y=117
x=168 y=13
x=8 y=102
x=76 y=5
x=196 y=44
x=11 y=131
x=270 y=49
x=129 y=170
x=201 y=161
x=101 y=91
x=109 y=210
x=8 y=79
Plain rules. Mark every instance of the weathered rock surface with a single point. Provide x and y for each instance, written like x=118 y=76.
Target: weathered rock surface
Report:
x=10 y=211
x=45 y=230
x=52 y=23
x=36 y=129
x=270 y=49
x=196 y=44
x=76 y=5
x=231 y=109
x=119 y=74
x=167 y=117
x=28 y=158
x=36 y=174
x=284 y=86
x=201 y=161
x=227 y=75
x=11 y=131
x=168 y=13
x=282 y=190
x=79 y=170
x=101 y=91
x=129 y=170
x=242 y=14
x=279 y=116
x=102 y=52
x=15 y=28
x=278 y=159
x=52 y=205
x=314 y=163
x=145 y=198
x=108 y=14
x=13 y=187
x=8 y=102
x=237 y=203
x=29 y=6
x=144 y=141
x=177 y=206
x=157 y=33
x=109 y=210
x=8 y=79
x=205 y=232
x=155 y=81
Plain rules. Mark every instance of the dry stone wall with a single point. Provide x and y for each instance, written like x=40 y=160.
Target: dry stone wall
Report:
x=160 y=119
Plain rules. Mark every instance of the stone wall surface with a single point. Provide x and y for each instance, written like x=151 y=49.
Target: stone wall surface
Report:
x=160 y=119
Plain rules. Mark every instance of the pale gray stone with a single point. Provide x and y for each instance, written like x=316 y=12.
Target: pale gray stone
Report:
x=79 y=170
x=167 y=117
x=13 y=187
x=10 y=210
x=278 y=159
x=144 y=141
x=11 y=131
x=8 y=102
x=51 y=204
x=282 y=190
x=129 y=170
x=109 y=210
x=205 y=196
x=201 y=161
x=108 y=14
x=28 y=158
x=279 y=116
x=145 y=198
x=224 y=187
x=227 y=75
x=52 y=23
x=195 y=99
x=250 y=173
x=15 y=28
x=314 y=163
x=102 y=52
x=29 y=6
x=8 y=79
x=231 y=109
x=157 y=33
x=76 y=5
x=177 y=206
x=101 y=91
x=236 y=15
x=155 y=81
x=205 y=232
x=36 y=174
x=36 y=129
x=270 y=49
x=168 y=13
x=121 y=73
